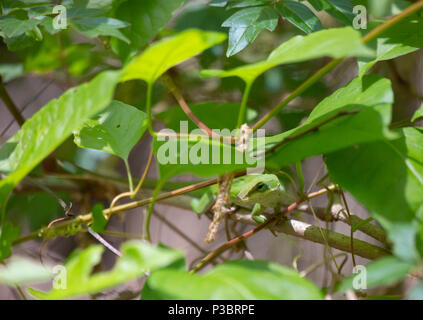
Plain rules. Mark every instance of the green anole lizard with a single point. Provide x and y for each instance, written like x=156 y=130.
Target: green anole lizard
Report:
x=256 y=192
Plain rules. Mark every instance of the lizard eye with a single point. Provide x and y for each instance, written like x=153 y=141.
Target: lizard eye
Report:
x=261 y=187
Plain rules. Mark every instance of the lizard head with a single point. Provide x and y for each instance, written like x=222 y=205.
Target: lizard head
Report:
x=262 y=188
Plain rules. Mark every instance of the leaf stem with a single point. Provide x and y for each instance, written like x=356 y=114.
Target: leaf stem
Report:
x=128 y=172
x=144 y=175
x=297 y=92
x=183 y=104
x=133 y=193
x=147 y=220
x=241 y=116
x=87 y=218
x=148 y=108
x=351 y=225
x=300 y=177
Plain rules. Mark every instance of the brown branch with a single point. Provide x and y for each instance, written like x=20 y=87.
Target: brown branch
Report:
x=181 y=101
x=11 y=106
x=313 y=233
x=178 y=232
x=368 y=228
x=87 y=218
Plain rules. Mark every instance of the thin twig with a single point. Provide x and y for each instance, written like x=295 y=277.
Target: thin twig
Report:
x=369 y=229
x=21 y=293
x=178 y=232
x=351 y=226
x=133 y=193
x=11 y=106
x=27 y=104
x=314 y=266
x=181 y=101
x=324 y=237
x=87 y=218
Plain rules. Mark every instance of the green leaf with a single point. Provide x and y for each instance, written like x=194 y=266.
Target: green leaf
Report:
x=40 y=12
x=10 y=71
x=405 y=38
x=248 y=73
x=235 y=280
x=203 y=157
x=99 y=4
x=99 y=220
x=291 y=118
x=45 y=56
x=101 y=26
x=368 y=101
x=8 y=234
x=37 y=209
x=335 y=43
x=80 y=59
x=318 y=5
x=418 y=115
x=390 y=187
x=218 y=3
x=137 y=258
x=115 y=130
x=167 y=53
x=23 y=271
x=13 y=27
x=246 y=3
x=9 y=5
x=383 y=272
x=380 y=8
x=147 y=18
x=177 y=156
x=202 y=17
x=341 y=10
x=386 y=8
x=81 y=12
x=50 y=126
x=246 y=24
x=18 y=43
x=300 y=16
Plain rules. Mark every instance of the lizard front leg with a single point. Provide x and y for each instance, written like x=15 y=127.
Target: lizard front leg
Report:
x=258 y=209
